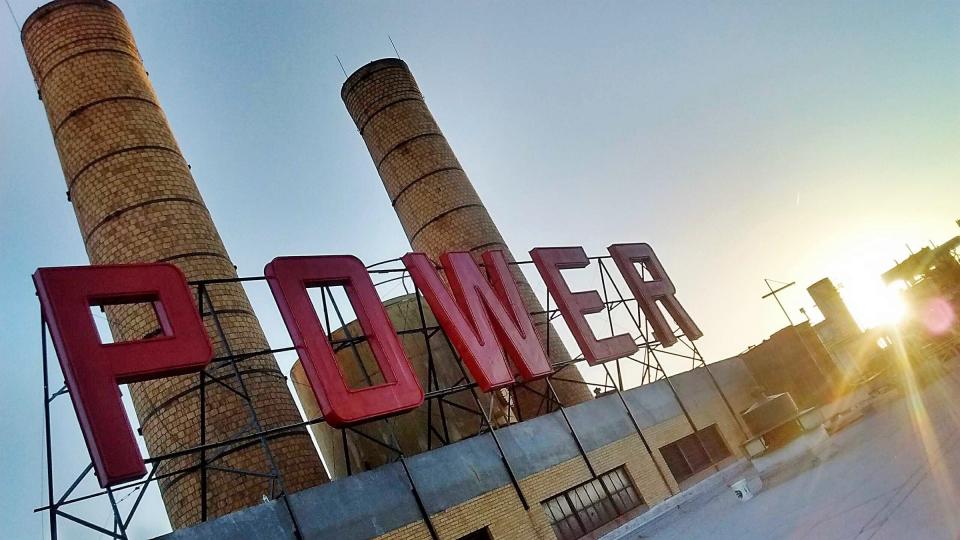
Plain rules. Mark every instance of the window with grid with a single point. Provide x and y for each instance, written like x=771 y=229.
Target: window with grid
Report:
x=695 y=452
x=587 y=507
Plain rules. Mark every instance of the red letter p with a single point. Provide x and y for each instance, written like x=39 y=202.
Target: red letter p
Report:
x=92 y=370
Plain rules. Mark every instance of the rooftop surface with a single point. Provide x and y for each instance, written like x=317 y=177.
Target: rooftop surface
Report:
x=895 y=474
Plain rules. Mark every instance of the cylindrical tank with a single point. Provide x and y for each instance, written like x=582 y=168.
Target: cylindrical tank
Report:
x=450 y=418
x=437 y=205
x=136 y=201
x=834 y=310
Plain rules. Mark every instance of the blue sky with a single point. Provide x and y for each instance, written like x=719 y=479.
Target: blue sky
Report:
x=743 y=140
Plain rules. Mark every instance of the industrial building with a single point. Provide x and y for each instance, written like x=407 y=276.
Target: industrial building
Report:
x=466 y=490
x=931 y=281
x=794 y=360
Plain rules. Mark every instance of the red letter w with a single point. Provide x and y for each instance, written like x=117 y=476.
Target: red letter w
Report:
x=482 y=320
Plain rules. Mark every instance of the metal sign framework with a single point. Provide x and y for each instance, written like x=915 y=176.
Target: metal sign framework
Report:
x=208 y=453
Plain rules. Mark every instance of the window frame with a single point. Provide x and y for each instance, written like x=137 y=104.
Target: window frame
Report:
x=717 y=451
x=588 y=506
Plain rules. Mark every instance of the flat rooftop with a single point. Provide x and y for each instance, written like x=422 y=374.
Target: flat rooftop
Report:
x=895 y=474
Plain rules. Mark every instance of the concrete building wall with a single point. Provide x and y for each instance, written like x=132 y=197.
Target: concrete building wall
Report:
x=700 y=396
x=464 y=487
x=438 y=207
x=794 y=360
x=704 y=404
x=136 y=201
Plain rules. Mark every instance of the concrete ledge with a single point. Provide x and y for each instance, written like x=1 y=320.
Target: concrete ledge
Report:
x=456 y=473
x=374 y=502
x=267 y=521
x=361 y=506
x=702 y=489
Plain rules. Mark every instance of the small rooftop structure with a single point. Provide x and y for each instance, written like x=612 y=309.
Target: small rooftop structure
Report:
x=919 y=264
x=794 y=360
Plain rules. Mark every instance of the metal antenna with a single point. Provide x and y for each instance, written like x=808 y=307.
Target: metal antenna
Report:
x=341 y=67
x=12 y=16
x=773 y=293
x=394 y=46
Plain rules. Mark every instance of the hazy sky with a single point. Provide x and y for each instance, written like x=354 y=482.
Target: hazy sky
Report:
x=742 y=140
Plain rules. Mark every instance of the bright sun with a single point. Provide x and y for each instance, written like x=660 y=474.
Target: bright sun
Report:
x=871 y=303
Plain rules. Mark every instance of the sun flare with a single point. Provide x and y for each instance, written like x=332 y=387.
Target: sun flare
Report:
x=872 y=303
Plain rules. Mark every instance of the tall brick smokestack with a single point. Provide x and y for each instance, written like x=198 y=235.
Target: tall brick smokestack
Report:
x=136 y=201
x=437 y=205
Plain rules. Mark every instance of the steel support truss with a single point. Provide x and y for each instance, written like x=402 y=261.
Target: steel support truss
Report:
x=228 y=371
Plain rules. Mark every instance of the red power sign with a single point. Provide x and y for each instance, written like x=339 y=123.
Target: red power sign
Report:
x=479 y=309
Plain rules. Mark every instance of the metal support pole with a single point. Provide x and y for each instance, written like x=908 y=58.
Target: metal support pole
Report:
x=117 y=521
x=576 y=438
x=346 y=452
x=413 y=485
x=486 y=418
x=46 y=427
x=723 y=396
x=143 y=491
x=673 y=389
x=396 y=441
x=573 y=432
x=796 y=332
x=420 y=505
x=255 y=421
x=203 y=441
x=201 y=290
x=773 y=293
x=643 y=439
x=503 y=457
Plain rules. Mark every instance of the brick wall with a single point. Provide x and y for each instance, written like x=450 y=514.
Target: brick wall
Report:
x=136 y=201
x=466 y=487
x=794 y=360
x=502 y=511
x=438 y=207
